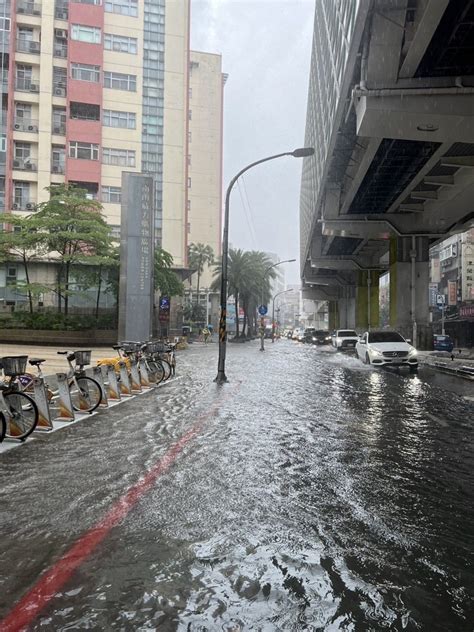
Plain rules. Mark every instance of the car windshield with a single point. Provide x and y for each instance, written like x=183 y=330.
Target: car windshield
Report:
x=321 y=332
x=346 y=333
x=442 y=338
x=385 y=336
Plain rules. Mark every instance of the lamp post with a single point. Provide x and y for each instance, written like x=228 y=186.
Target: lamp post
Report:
x=302 y=152
x=262 y=320
x=273 y=311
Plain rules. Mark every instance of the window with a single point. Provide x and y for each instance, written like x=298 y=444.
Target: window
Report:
x=4 y=24
x=190 y=115
x=23 y=111
x=25 y=33
x=3 y=142
x=188 y=205
x=85 y=111
x=115 y=118
x=189 y=160
x=85 y=72
x=120 y=157
x=21 y=193
x=90 y=34
x=59 y=120
x=58 y=159
x=119 y=81
x=112 y=195
x=22 y=151
x=97 y=3
x=125 y=7
x=83 y=151
x=189 y=183
x=120 y=44
x=190 y=137
x=190 y=93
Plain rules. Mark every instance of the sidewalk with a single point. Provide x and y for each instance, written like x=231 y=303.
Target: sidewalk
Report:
x=459 y=362
x=54 y=363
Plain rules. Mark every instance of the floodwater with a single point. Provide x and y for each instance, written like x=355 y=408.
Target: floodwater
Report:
x=316 y=494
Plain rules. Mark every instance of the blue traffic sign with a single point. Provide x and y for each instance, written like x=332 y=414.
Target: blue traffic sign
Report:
x=262 y=310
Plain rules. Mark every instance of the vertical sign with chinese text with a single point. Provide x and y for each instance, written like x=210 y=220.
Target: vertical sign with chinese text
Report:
x=136 y=257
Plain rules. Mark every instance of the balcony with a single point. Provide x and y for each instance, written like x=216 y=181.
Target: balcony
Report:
x=59 y=128
x=4 y=82
x=24 y=164
x=59 y=89
x=28 y=8
x=28 y=46
x=58 y=167
x=60 y=50
x=25 y=125
x=26 y=85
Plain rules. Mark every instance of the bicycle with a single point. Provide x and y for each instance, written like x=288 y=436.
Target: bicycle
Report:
x=85 y=391
x=20 y=412
x=3 y=427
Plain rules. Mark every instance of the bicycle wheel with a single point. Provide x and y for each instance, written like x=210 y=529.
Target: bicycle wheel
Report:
x=166 y=367
x=23 y=415
x=157 y=373
x=85 y=394
x=3 y=427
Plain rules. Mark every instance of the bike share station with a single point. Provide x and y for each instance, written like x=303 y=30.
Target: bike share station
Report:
x=117 y=379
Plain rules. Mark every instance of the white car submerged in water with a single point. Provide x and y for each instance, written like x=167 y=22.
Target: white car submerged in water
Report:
x=386 y=348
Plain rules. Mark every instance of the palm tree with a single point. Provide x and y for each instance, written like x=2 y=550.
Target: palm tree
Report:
x=237 y=277
x=198 y=256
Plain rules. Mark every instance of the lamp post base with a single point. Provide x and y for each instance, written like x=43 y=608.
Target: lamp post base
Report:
x=221 y=378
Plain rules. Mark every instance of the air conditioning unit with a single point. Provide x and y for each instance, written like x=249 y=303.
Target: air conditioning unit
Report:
x=15 y=206
x=58 y=130
x=36 y=12
x=35 y=47
x=20 y=10
x=17 y=126
x=29 y=206
x=29 y=166
x=16 y=164
x=32 y=128
x=56 y=169
x=60 y=33
x=34 y=87
x=60 y=92
x=61 y=15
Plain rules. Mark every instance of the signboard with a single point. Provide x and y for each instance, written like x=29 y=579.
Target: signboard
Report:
x=452 y=293
x=467 y=311
x=164 y=309
x=433 y=292
x=136 y=257
x=440 y=300
x=467 y=280
x=262 y=310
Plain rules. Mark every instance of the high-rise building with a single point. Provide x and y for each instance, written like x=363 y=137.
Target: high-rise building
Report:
x=205 y=138
x=92 y=88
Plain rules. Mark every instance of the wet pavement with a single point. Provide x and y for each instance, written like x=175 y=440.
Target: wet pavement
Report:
x=310 y=493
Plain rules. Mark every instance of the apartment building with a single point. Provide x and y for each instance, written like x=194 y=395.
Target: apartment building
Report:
x=84 y=98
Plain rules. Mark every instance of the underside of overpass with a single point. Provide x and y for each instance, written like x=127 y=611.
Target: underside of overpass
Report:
x=395 y=171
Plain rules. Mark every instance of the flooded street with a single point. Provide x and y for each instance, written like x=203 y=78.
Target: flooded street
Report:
x=310 y=493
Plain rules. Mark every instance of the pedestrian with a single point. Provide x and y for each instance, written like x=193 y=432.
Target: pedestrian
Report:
x=205 y=333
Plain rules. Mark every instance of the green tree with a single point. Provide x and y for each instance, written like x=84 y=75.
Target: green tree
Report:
x=76 y=233
x=166 y=281
x=257 y=287
x=198 y=256
x=23 y=240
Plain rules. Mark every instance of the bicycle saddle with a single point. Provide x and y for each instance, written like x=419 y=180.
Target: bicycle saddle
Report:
x=36 y=361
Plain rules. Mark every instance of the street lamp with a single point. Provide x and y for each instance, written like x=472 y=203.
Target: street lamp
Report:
x=273 y=311
x=262 y=320
x=301 y=152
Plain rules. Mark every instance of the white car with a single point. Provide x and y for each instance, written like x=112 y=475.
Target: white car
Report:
x=344 y=339
x=382 y=348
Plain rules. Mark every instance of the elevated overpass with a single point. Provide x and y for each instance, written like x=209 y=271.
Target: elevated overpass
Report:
x=391 y=117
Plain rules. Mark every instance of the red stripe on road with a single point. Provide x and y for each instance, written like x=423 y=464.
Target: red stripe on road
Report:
x=49 y=584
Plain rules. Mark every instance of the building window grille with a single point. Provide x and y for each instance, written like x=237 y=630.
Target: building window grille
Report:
x=4 y=24
x=115 y=118
x=85 y=72
x=85 y=111
x=88 y=34
x=125 y=7
x=21 y=194
x=83 y=151
x=119 y=81
x=120 y=44
x=111 y=195
x=118 y=157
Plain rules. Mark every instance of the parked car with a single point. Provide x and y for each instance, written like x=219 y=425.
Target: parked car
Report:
x=384 y=348
x=296 y=333
x=443 y=343
x=321 y=337
x=289 y=334
x=344 y=339
x=268 y=331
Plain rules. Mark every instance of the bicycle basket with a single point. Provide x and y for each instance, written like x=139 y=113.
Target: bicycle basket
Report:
x=153 y=347
x=130 y=347
x=14 y=365
x=83 y=356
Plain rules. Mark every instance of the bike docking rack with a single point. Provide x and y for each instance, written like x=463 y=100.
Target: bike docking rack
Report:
x=119 y=381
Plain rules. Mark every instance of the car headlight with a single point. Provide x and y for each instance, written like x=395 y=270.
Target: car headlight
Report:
x=338 y=341
x=375 y=352
x=413 y=353
x=328 y=338
x=313 y=338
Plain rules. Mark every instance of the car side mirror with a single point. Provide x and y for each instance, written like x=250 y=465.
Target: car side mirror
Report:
x=408 y=340
x=362 y=341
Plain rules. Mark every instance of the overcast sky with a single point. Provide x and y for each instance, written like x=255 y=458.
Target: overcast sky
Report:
x=266 y=50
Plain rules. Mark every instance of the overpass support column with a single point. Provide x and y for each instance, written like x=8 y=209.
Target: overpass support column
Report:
x=367 y=300
x=409 y=283
x=347 y=308
x=333 y=315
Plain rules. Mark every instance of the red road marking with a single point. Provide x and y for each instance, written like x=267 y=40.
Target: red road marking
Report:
x=49 y=584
